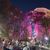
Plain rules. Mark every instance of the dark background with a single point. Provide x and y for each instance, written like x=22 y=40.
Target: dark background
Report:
x=26 y=5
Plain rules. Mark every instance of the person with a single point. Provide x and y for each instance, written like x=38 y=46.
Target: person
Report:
x=10 y=46
x=16 y=47
x=6 y=46
x=17 y=43
x=25 y=48
x=1 y=45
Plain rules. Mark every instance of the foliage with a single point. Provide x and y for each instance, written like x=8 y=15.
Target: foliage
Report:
x=45 y=22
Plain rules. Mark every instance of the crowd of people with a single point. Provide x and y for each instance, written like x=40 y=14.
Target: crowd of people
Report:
x=11 y=44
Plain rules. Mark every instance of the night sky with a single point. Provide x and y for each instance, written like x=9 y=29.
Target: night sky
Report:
x=26 y=5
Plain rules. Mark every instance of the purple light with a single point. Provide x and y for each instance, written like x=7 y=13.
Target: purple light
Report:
x=46 y=38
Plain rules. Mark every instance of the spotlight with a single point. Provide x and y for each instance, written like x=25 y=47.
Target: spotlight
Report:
x=46 y=38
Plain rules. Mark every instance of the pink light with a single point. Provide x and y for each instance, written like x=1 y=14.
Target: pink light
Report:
x=36 y=29
x=29 y=28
